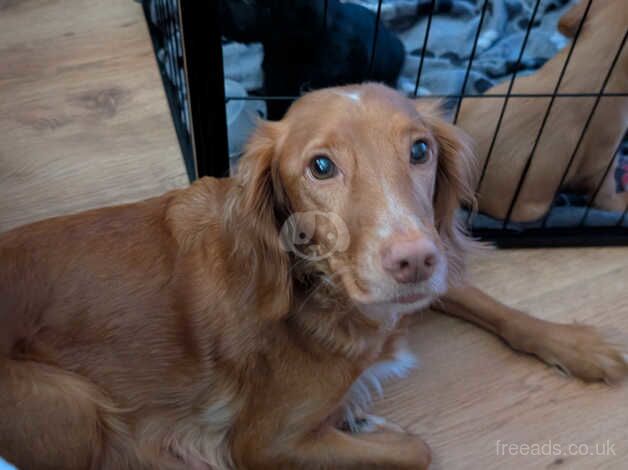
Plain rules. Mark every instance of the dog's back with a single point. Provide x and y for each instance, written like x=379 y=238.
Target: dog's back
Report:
x=599 y=40
x=71 y=285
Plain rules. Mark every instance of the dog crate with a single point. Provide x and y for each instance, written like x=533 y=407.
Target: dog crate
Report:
x=194 y=40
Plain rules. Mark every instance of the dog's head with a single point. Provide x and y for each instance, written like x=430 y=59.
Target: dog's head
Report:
x=358 y=187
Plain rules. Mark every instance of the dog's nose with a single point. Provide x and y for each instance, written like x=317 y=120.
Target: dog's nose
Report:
x=410 y=261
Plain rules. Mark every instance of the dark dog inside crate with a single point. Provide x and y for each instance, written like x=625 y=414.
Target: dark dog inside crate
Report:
x=313 y=44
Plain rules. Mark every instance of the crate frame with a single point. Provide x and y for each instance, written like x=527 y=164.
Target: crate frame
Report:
x=207 y=143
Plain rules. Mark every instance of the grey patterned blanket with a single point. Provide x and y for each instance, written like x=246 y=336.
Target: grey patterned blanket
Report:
x=454 y=26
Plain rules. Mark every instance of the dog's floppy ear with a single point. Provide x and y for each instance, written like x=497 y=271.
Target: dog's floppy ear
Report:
x=454 y=180
x=254 y=217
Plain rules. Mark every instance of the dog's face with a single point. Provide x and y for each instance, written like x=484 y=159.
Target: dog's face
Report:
x=365 y=186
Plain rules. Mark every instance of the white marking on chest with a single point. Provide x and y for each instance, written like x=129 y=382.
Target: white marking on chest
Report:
x=371 y=379
x=201 y=441
x=359 y=395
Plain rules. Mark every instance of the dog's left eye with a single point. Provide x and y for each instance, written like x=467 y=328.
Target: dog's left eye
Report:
x=419 y=152
x=322 y=167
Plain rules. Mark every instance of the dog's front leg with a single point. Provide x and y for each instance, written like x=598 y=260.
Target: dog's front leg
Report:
x=576 y=349
x=330 y=448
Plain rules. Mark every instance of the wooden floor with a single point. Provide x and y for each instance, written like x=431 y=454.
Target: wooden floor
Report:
x=83 y=118
x=84 y=123
x=472 y=393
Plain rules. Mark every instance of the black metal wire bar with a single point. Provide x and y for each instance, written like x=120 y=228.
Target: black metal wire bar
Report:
x=548 y=110
x=165 y=23
x=158 y=12
x=261 y=98
x=470 y=63
x=179 y=62
x=601 y=183
x=170 y=18
x=572 y=158
x=378 y=15
x=508 y=93
x=164 y=10
x=532 y=95
x=501 y=95
x=163 y=20
x=426 y=37
x=554 y=237
x=157 y=37
x=325 y=9
x=200 y=27
x=158 y=9
x=620 y=222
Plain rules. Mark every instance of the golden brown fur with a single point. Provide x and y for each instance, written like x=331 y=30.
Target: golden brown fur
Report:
x=179 y=332
x=599 y=40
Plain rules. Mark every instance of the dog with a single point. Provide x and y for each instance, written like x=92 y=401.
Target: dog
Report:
x=311 y=45
x=221 y=326
x=599 y=39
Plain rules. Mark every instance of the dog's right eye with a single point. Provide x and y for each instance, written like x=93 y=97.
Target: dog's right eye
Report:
x=419 y=152
x=322 y=167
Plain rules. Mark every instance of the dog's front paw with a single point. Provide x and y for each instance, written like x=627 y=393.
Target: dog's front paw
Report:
x=585 y=352
x=408 y=451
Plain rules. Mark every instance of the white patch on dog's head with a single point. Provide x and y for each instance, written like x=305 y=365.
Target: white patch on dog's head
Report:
x=352 y=95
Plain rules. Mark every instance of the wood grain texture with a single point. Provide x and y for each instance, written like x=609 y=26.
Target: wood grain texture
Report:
x=472 y=391
x=83 y=117
x=84 y=123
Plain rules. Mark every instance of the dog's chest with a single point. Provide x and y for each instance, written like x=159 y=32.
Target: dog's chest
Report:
x=398 y=365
